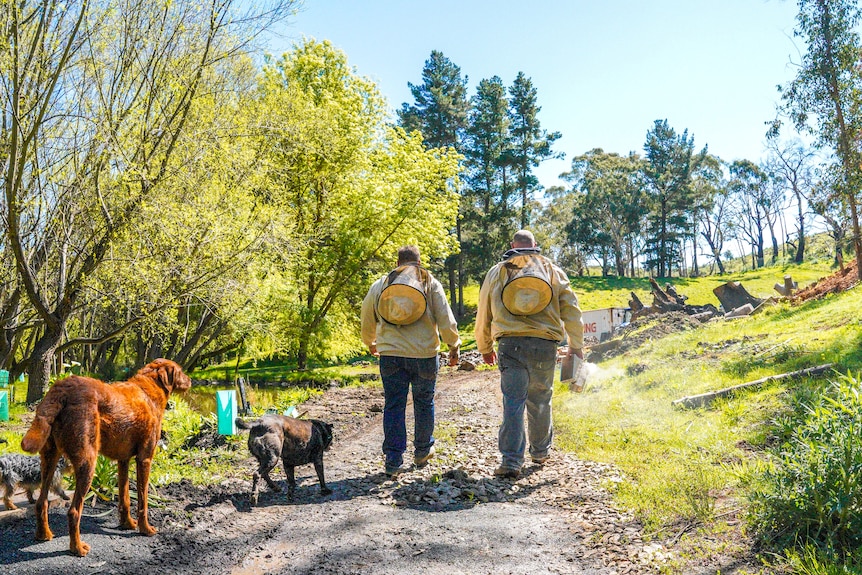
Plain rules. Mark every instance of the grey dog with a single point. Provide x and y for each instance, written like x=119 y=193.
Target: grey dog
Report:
x=25 y=471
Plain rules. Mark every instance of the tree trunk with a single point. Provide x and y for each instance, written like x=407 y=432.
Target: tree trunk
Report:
x=302 y=354
x=40 y=364
x=452 y=268
x=800 y=244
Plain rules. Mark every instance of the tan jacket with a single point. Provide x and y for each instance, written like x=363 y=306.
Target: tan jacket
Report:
x=418 y=340
x=494 y=321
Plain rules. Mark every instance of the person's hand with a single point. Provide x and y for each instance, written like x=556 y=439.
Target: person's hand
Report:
x=454 y=356
x=372 y=349
x=577 y=351
x=490 y=358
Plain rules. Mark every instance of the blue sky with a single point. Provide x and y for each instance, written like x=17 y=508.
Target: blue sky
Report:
x=605 y=70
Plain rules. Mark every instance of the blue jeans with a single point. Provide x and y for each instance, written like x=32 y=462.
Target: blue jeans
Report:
x=527 y=379
x=398 y=374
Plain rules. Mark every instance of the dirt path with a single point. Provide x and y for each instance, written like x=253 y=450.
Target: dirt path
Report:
x=450 y=517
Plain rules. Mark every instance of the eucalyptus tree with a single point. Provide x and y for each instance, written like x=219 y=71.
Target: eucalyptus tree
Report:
x=825 y=97
x=712 y=208
x=669 y=164
x=348 y=190
x=96 y=100
x=791 y=165
x=608 y=215
x=530 y=144
x=551 y=232
x=827 y=202
x=485 y=210
x=439 y=113
x=751 y=205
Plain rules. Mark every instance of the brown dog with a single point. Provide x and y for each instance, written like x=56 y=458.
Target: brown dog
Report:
x=294 y=441
x=81 y=417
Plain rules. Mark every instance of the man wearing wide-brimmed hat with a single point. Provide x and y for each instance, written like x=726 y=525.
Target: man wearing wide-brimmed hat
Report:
x=528 y=307
x=404 y=316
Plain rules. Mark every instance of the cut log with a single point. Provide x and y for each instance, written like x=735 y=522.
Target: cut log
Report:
x=732 y=295
x=705 y=398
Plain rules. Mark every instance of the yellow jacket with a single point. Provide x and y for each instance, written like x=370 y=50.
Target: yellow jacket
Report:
x=418 y=340
x=561 y=317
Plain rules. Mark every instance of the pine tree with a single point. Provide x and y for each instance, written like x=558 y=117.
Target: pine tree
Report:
x=485 y=211
x=440 y=115
x=530 y=144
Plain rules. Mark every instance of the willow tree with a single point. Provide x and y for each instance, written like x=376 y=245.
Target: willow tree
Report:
x=96 y=98
x=825 y=98
x=348 y=189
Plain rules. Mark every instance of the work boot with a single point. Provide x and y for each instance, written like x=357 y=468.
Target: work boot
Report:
x=422 y=461
x=507 y=472
x=392 y=471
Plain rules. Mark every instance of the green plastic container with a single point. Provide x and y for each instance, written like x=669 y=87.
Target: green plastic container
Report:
x=4 y=378
x=4 y=405
x=226 y=411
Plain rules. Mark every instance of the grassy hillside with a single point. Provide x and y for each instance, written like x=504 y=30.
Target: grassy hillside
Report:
x=683 y=467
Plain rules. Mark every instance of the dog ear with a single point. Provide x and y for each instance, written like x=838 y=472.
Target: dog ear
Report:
x=171 y=377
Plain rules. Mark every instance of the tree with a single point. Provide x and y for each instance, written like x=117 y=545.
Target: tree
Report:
x=550 y=230
x=669 y=164
x=607 y=217
x=791 y=165
x=825 y=98
x=530 y=144
x=485 y=224
x=828 y=203
x=96 y=102
x=712 y=207
x=348 y=189
x=440 y=115
x=749 y=186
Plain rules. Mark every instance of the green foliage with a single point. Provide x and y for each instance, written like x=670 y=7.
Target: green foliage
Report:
x=348 y=189
x=811 y=560
x=668 y=169
x=180 y=423
x=104 y=484
x=812 y=492
x=608 y=210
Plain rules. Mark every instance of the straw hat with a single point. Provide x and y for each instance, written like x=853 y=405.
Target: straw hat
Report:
x=526 y=295
x=401 y=304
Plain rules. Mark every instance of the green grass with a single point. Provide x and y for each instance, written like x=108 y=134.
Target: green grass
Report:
x=282 y=371
x=683 y=466
x=596 y=292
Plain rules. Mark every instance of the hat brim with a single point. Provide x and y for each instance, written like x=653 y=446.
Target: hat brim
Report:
x=401 y=304
x=526 y=295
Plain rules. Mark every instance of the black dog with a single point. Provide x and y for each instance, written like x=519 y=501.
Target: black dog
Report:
x=294 y=441
x=25 y=471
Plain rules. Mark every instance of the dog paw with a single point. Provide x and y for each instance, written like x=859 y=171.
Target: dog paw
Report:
x=44 y=534
x=81 y=550
x=148 y=530
x=11 y=506
x=326 y=491
x=128 y=524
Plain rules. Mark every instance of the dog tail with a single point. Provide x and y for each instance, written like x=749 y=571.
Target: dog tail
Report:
x=40 y=430
x=242 y=424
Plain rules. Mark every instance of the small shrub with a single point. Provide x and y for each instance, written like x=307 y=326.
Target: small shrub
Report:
x=105 y=483
x=811 y=493
x=180 y=423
